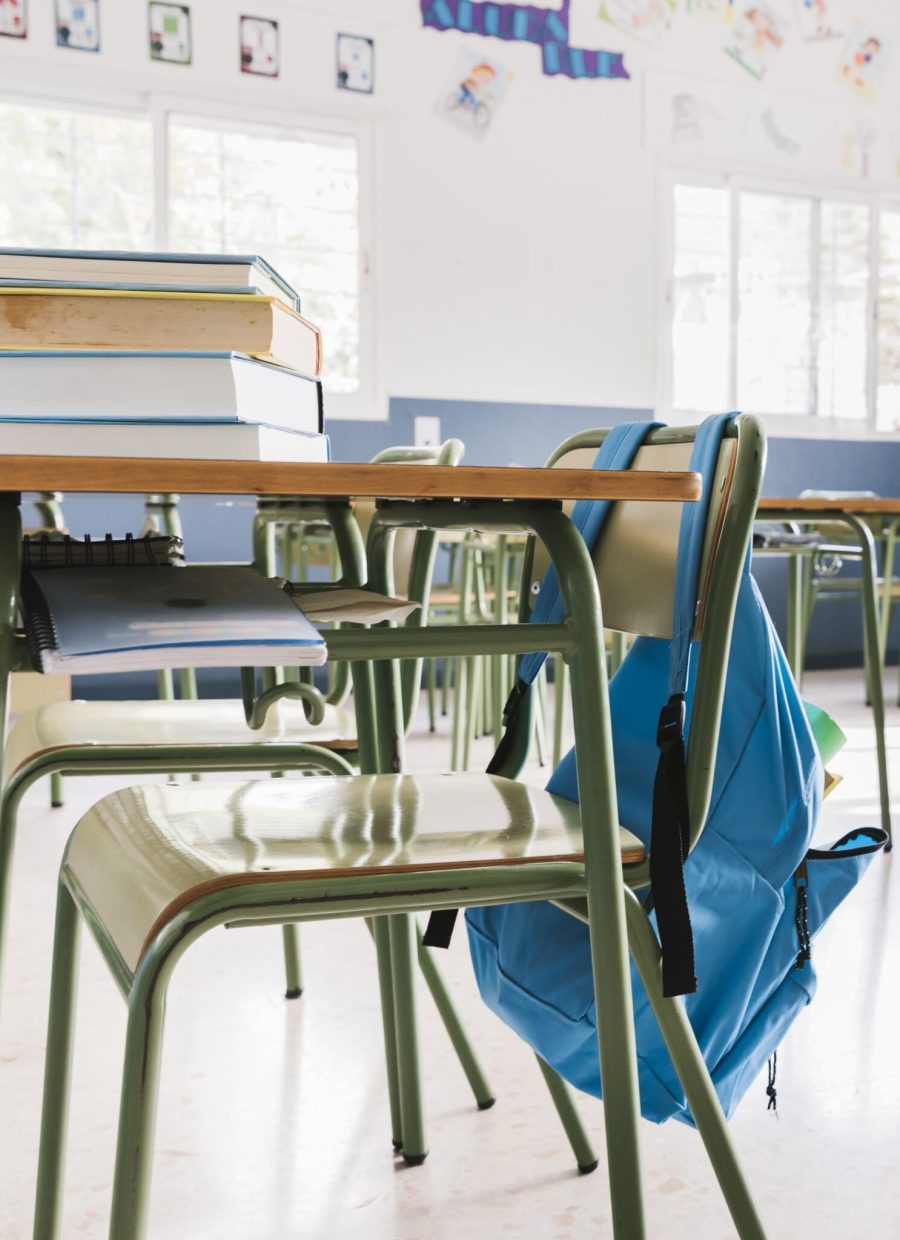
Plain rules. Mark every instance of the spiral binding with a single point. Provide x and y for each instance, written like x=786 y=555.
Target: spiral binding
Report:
x=153 y=550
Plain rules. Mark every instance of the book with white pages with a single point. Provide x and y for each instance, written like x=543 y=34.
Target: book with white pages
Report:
x=64 y=385
x=137 y=619
x=91 y=268
x=162 y=439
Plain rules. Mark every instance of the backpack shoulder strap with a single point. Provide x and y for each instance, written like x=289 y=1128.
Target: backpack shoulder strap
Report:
x=617 y=451
x=671 y=831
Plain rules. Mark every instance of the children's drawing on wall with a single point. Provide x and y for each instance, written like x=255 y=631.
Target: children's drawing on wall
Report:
x=355 y=63
x=647 y=20
x=863 y=61
x=14 y=19
x=78 y=24
x=775 y=132
x=474 y=92
x=757 y=36
x=695 y=121
x=817 y=19
x=259 y=46
x=170 y=33
x=707 y=8
x=856 y=143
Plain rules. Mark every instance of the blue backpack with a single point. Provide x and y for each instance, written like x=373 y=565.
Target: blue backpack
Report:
x=755 y=890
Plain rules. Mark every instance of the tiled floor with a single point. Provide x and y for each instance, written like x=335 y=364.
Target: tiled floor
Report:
x=274 y=1123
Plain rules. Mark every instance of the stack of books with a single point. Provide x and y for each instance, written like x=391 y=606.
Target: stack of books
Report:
x=202 y=356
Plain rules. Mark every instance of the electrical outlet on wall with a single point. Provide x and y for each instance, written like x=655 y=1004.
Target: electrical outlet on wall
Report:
x=427 y=432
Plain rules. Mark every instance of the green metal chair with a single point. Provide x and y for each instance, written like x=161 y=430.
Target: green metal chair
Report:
x=170 y=736
x=384 y=846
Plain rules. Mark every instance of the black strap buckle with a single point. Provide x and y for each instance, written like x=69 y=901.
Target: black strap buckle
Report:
x=670 y=728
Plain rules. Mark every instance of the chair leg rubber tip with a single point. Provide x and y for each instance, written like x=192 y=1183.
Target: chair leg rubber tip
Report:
x=295 y=993
x=56 y=804
x=889 y=846
x=398 y=1145
x=487 y=1104
x=587 y=1168
x=415 y=1160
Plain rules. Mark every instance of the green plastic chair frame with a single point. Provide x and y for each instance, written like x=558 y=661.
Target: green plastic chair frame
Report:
x=859 y=546
x=276 y=757
x=593 y=888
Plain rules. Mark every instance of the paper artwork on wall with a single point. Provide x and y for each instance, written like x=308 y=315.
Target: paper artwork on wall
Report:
x=259 y=46
x=14 y=19
x=817 y=20
x=857 y=142
x=474 y=92
x=647 y=20
x=694 y=120
x=355 y=63
x=170 y=33
x=863 y=61
x=78 y=24
x=707 y=8
x=546 y=26
x=757 y=36
x=775 y=132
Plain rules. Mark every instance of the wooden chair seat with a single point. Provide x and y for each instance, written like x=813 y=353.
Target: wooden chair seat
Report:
x=207 y=721
x=141 y=854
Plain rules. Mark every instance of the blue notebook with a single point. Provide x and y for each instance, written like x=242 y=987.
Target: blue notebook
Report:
x=144 y=618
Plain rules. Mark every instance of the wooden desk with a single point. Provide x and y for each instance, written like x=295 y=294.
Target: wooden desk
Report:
x=802 y=507
x=107 y=475
x=856 y=513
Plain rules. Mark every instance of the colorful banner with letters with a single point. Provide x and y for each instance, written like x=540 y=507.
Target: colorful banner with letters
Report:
x=525 y=23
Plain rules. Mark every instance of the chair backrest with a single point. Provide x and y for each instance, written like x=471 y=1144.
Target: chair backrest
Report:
x=406 y=542
x=635 y=561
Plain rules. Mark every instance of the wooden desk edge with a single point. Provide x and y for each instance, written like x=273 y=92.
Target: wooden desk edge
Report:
x=849 y=507
x=102 y=475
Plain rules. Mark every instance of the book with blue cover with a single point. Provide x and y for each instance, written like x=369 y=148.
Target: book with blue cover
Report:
x=161 y=439
x=132 y=619
x=75 y=385
x=95 y=268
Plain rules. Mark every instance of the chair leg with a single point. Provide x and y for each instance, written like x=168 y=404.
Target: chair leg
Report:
x=465 y=1053
x=403 y=962
x=582 y=1148
x=561 y=697
x=795 y=617
x=8 y=808
x=473 y=711
x=381 y=934
x=459 y=713
x=58 y=1069
x=693 y=1074
x=431 y=684
x=876 y=683
x=56 y=790
x=137 y=1109
x=540 y=716
x=293 y=973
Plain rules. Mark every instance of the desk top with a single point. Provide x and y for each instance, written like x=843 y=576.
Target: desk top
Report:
x=859 y=507
x=337 y=480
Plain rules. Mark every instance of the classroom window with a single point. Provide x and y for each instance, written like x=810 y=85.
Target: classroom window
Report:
x=91 y=178
x=292 y=196
x=771 y=306
x=75 y=179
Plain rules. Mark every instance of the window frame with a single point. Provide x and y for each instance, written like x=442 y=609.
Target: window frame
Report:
x=368 y=402
x=736 y=180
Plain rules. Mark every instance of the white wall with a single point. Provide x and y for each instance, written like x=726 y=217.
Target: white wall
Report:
x=523 y=267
